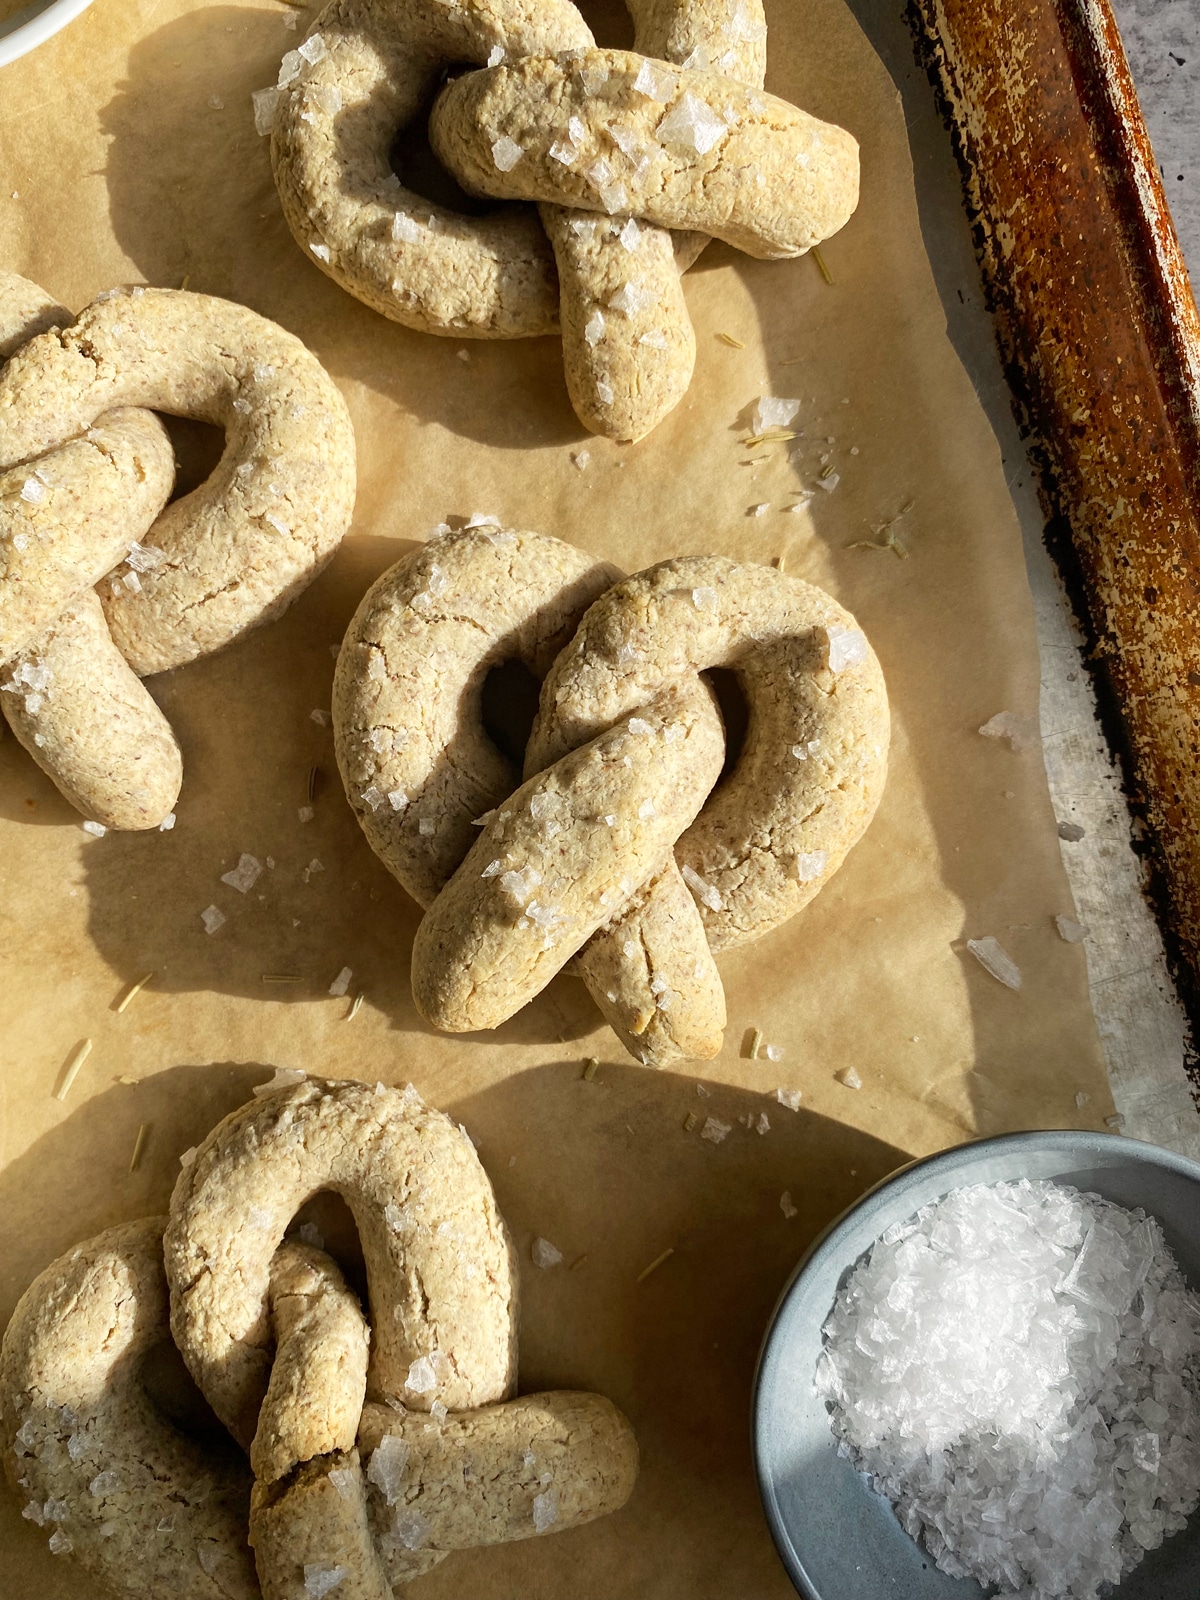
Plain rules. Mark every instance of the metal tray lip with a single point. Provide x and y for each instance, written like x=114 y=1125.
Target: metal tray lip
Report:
x=953 y=1159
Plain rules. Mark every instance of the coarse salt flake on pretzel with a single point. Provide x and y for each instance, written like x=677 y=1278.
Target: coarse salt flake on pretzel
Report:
x=620 y=848
x=85 y=473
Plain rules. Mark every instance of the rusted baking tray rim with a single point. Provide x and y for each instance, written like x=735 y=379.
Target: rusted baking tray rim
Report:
x=1099 y=333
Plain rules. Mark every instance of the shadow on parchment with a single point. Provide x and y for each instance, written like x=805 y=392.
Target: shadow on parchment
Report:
x=605 y=1171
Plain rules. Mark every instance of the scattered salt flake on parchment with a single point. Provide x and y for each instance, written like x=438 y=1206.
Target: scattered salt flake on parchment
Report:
x=994 y=958
x=342 y=982
x=789 y=1098
x=787 y=1205
x=714 y=1130
x=212 y=919
x=545 y=1254
x=774 y=413
x=849 y=1077
x=96 y=829
x=1070 y=930
x=245 y=875
x=1021 y=732
x=285 y=1078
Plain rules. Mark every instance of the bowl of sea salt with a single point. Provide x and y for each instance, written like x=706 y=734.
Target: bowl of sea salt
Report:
x=24 y=24
x=985 y=1379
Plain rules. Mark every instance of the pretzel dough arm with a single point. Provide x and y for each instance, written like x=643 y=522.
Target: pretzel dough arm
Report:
x=540 y=1464
x=628 y=343
x=318 y=1521
x=728 y=36
x=653 y=976
x=569 y=847
x=319 y=1375
x=92 y=728
x=150 y=1512
x=714 y=155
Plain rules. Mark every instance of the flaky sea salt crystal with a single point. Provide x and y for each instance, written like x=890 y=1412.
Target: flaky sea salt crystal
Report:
x=630 y=235
x=313 y=49
x=604 y=392
x=208 y=1554
x=506 y=153
x=390 y=1456
x=593 y=328
x=761 y=509
x=322 y=1577
x=60 y=1544
x=646 y=810
x=1071 y=931
x=774 y=1052
x=327 y=97
x=849 y=1078
x=580 y=459
x=640 y=727
x=188 y=1156
x=245 y=875
x=631 y=299
x=771 y=412
x=593 y=77
x=341 y=983
x=96 y=829
x=847 y=647
x=411 y=1528
x=520 y=885
x=787 y=1205
x=994 y=958
x=145 y=557
x=427 y=827
x=212 y=919
x=563 y=152
x=132 y=582
x=495 y=55
x=655 y=81
x=76 y=1445
x=33 y=1513
x=544 y=1254
x=1021 y=732
x=654 y=339
x=697 y=60
x=789 y=1098
x=406 y=229
x=545 y=1510
x=421 y=1377
x=33 y=491
x=811 y=864
x=707 y=893
x=714 y=1130
x=829 y=481
x=372 y=796
x=285 y=1079
x=345 y=1481
x=265 y=102
x=692 y=124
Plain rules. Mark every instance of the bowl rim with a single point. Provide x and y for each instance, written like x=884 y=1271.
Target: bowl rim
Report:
x=953 y=1156
x=43 y=25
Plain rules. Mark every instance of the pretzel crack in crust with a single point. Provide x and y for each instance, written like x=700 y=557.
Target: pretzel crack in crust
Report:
x=619 y=849
x=673 y=135
x=85 y=475
x=355 y=1496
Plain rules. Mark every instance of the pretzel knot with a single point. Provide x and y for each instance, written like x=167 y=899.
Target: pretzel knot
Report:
x=351 y=1495
x=101 y=581
x=621 y=848
x=676 y=134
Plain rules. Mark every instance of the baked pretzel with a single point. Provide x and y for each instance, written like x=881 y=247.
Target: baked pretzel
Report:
x=353 y=1495
x=619 y=848
x=85 y=473
x=683 y=112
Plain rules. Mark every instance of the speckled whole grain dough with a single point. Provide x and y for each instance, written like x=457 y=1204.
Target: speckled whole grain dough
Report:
x=710 y=154
x=319 y=1372
x=562 y=856
x=440 y=1269
x=812 y=768
x=538 y=1464
x=91 y=725
x=145 y=1510
x=240 y=548
x=416 y=762
x=629 y=364
x=418 y=263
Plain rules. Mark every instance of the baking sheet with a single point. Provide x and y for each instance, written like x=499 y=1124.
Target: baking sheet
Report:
x=120 y=165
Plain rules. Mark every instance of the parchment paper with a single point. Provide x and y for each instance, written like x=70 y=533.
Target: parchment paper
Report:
x=128 y=153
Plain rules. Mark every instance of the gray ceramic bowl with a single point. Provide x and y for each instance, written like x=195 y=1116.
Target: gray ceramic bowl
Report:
x=837 y=1538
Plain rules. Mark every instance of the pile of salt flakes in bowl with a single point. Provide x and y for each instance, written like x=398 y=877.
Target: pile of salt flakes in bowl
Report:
x=1017 y=1368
